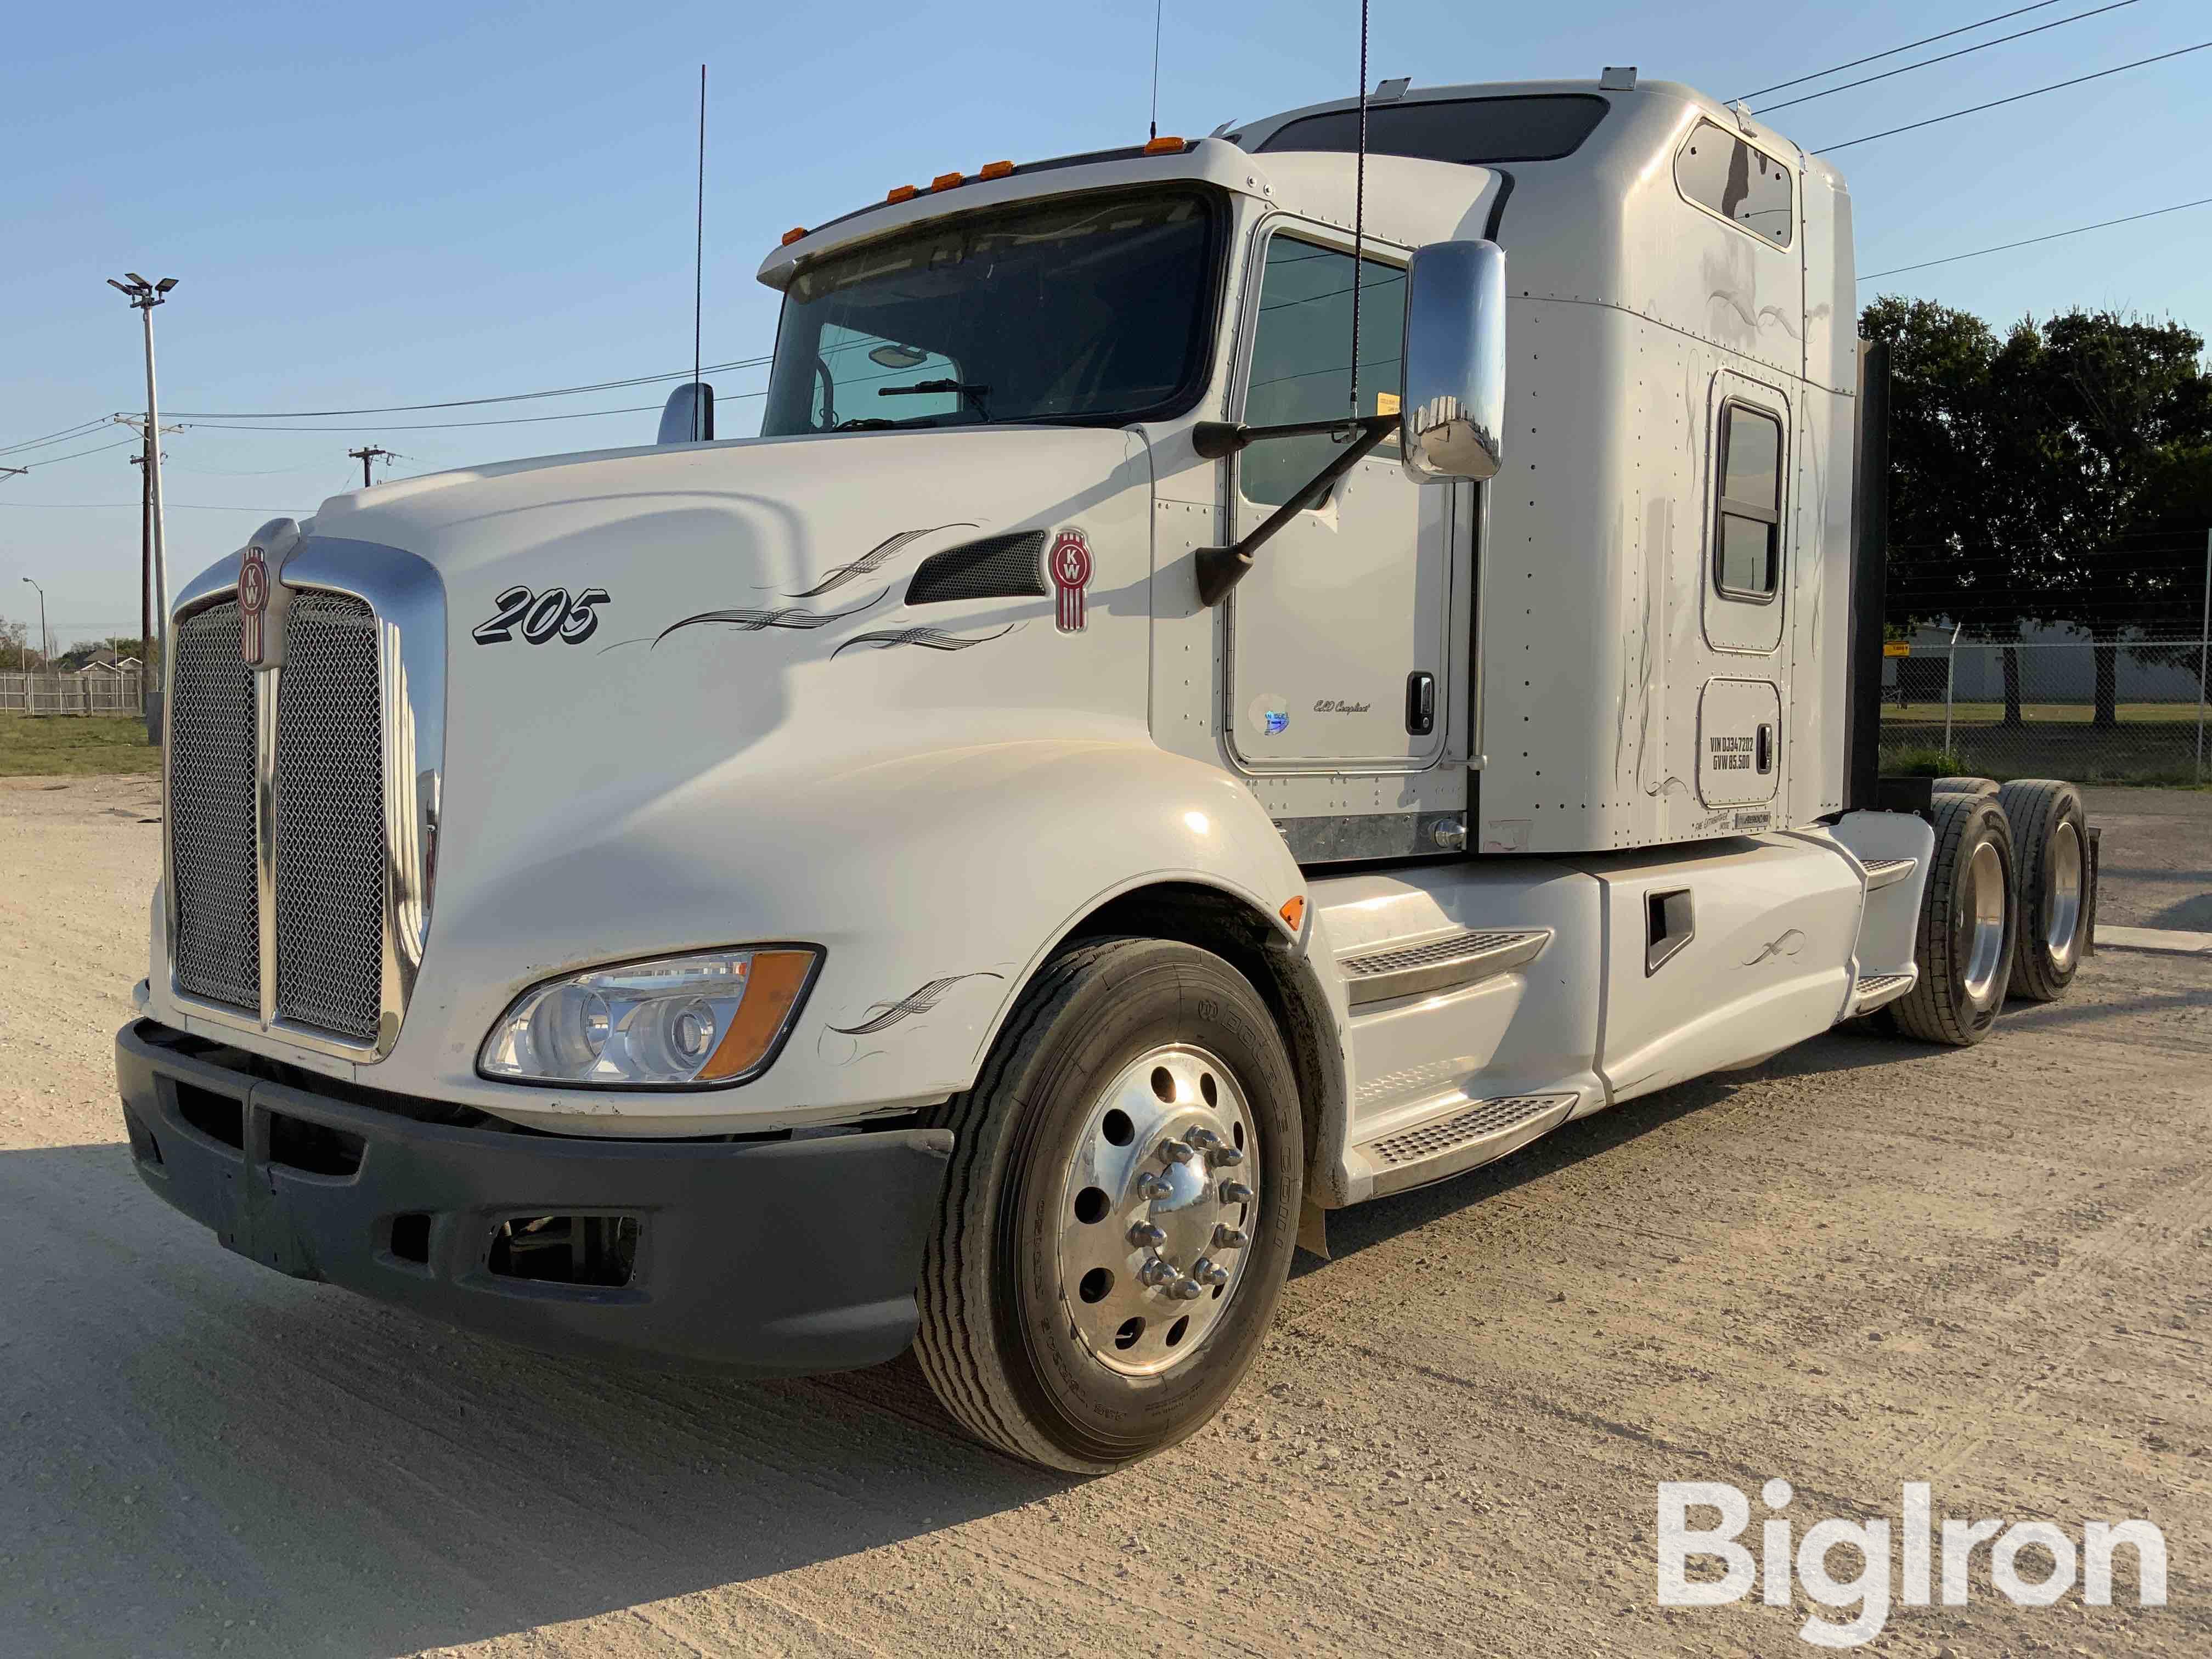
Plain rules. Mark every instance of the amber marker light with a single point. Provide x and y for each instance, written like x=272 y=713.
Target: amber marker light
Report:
x=996 y=170
x=794 y=235
x=1163 y=145
x=772 y=984
x=1292 y=913
x=946 y=181
x=902 y=193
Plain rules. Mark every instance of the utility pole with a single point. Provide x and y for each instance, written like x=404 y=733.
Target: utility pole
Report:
x=365 y=455
x=145 y=560
x=45 y=640
x=144 y=296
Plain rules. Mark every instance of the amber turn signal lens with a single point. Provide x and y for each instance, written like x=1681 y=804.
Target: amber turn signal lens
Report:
x=996 y=170
x=773 y=983
x=945 y=180
x=1163 y=145
x=1292 y=913
x=794 y=235
x=903 y=193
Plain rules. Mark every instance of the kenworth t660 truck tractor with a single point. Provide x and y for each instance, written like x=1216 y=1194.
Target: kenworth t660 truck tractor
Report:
x=990 y=861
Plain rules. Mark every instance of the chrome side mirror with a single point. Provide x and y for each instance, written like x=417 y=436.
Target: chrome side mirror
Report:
x=1451 y=423
x=689 y=417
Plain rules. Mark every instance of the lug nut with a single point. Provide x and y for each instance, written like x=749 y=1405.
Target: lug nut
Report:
x=1203 y=1138
x=1144 y=1234
x=1230 y=1238
x=1225 y=1156
x=1174 y=1151
x=1157 y=1272
x=1187 y=1290
x=1154 y=1186
x=1207 y=1272
x=1236 y=1192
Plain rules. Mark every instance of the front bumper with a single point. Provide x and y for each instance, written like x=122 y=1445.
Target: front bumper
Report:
x=770 y=1258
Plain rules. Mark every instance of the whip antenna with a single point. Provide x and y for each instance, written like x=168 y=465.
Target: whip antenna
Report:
x=1358 y=210
x=1158 y=7
x=699 y=265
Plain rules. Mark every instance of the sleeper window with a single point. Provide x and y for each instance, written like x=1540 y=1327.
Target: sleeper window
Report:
x=1745 y=186
x=1748 y=542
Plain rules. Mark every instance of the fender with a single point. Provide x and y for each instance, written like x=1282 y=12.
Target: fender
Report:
x=936 y=880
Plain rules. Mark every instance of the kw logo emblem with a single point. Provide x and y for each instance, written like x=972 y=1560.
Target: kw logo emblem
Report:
x=1069 y=566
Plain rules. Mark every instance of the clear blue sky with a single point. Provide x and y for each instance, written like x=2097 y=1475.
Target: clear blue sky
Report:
x=399 y=203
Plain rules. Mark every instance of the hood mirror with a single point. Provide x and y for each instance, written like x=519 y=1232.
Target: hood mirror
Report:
x=689 y=417
x=1452 y=422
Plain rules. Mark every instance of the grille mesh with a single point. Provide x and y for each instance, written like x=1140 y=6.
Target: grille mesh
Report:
x=218 y=905
x=1442 y=950
x=330 y=819
x=995 y=567
x=1488 y=1117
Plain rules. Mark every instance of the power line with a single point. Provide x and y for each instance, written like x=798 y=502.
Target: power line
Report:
x=446 y=426
x=73 y=454
x=1945 y=57
x=1929 y=40
x=63 y=436
x=2003 y=247
x=2058 y=86
x=460 y=403
x=188 y=507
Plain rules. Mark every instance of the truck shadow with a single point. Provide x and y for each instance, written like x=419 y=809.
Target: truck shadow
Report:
x=202 y=1452
x=1855 y=1047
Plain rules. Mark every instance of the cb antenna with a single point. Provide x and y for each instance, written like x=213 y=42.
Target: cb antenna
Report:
x=1158 y=7
x=699 y=262
x=1358 y=213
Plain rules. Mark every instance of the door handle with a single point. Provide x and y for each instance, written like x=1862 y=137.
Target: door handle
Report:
x=1420 y=702
x=1765 y=754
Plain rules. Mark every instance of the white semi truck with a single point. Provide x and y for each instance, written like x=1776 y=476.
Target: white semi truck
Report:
x=991 y=861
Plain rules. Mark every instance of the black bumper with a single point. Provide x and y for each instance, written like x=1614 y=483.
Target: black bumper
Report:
x=769 y=1258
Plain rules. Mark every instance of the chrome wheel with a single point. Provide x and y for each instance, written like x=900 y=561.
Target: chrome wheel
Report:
x=2061 y=896
x=1982 y=925
x=1156 y=1205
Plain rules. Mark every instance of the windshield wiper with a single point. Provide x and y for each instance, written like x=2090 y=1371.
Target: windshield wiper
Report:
x=965 y=388
x=862 y=423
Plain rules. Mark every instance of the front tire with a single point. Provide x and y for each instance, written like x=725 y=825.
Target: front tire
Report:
x=1121 y=1209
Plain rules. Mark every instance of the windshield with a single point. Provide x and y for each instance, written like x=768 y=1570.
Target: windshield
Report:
x=1088 y=308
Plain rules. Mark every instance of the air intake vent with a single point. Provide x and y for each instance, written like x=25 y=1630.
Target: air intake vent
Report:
x=211 y=851
x=996 y=567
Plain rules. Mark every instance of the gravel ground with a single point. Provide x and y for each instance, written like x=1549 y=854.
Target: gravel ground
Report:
x=2155 y=857
x=1863 y=1264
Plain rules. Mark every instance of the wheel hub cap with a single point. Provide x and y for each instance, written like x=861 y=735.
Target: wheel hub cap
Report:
x=1156 y=1206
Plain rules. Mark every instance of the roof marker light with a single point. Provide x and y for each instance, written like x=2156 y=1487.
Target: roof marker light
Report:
x=794 y=235
x=1164 y=145
x=946 y=181
x=996 y=170
x=902 y=193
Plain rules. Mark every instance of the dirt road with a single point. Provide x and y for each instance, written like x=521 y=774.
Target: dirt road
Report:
x=1864 y=1264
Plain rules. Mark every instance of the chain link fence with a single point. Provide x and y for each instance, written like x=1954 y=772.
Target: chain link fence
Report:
x=2125 y=711
x=93 y=691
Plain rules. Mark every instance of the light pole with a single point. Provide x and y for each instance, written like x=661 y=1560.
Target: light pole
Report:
x=144 y=296
x=45 y=644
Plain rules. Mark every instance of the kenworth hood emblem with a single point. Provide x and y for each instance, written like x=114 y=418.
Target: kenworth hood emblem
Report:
x=262 y=596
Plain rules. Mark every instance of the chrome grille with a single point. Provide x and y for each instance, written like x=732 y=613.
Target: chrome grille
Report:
x=217 y=946
x=330 y=819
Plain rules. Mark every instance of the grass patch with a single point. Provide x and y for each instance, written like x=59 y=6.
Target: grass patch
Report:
x=75 y=745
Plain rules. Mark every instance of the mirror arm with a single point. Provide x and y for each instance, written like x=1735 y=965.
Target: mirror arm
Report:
x=1220 y=568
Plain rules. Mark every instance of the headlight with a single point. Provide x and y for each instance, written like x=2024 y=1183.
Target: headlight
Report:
x=677 y=1021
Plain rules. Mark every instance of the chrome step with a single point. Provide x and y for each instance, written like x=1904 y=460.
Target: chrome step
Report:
x=1874 y=989
x=1446 y=1146
x=1443 y=962
x=1887 y=872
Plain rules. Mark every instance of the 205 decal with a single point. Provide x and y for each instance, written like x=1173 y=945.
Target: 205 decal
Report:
x=542 y=617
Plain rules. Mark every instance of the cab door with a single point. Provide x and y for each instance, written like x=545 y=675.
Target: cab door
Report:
x=1338 y=636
